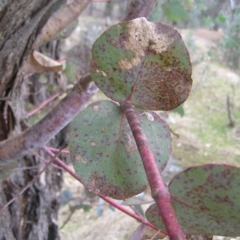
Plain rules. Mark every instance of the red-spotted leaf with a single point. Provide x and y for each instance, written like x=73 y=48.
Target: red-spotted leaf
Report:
x=206 y=200
x=147 y=62
x=104 y=152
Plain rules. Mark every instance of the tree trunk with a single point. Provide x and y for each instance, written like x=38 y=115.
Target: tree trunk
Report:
x=33 y=215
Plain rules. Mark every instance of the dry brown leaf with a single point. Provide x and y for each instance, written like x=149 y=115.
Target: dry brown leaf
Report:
x=39 y=63
x=60 y=21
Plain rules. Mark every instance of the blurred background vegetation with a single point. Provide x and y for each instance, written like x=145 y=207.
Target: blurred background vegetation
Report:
x=222 y=15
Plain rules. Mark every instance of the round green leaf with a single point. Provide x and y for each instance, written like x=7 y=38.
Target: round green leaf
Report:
x=144 y=61
x=206 y=200
x=104 y=152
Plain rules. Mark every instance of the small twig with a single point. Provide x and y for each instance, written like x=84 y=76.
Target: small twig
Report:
x=229 y=112
x=159 y=192
x=73 y=209
x=174 y=133
x=106 y=199
x=44 y=103
x=68 y=218
x=46 y=161
x=56 y=150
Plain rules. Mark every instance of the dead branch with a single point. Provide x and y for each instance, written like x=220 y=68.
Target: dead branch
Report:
x=229 y=112
x=38 y=135
x=60 y=21
x=140 y=8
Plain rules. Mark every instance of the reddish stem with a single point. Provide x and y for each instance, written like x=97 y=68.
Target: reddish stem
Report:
x=159 y=191
x=55 y=150
x=44 y=103
x=106 y=199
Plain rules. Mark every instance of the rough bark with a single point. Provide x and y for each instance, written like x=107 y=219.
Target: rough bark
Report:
x=33 y=215
x=20 y=23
